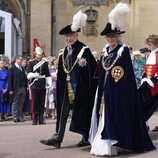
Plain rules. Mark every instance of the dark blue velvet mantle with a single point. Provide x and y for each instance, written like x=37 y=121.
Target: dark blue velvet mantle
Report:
x=124 y=118
x=84 y=87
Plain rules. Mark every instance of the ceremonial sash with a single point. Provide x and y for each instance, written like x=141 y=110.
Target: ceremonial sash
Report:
x=38 y=65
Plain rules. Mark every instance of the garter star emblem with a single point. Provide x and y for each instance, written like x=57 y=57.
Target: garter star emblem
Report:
x=82 y=62
x=117 y=73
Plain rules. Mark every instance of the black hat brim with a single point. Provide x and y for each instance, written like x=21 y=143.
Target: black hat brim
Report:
x=114 y=33
x=144 y=50
x=67 y=30
x=109 y=31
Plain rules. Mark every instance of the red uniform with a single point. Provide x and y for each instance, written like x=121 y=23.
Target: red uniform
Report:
x=151 y=71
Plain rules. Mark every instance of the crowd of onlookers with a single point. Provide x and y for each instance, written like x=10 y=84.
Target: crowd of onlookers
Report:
x=138 y=60
x=6 y=99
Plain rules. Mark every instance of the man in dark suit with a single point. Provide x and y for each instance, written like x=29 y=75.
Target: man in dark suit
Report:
x=39 y=76
x=17 y=81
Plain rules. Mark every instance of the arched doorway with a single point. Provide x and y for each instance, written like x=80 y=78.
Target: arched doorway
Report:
x=18 y=10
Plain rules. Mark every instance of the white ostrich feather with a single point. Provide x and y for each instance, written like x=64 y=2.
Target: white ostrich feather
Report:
x=79 y=20
x=118 y=15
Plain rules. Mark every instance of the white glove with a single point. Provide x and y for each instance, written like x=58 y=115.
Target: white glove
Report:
x=48 y=82
x=148 y=80
x=31 y=75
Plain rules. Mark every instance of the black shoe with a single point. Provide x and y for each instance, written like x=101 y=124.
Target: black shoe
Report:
x=42 y=123
x=21 y=120
x=155 y=129
x=34 y=122
x=82 y=143
x=51 y=142
x=16 y=120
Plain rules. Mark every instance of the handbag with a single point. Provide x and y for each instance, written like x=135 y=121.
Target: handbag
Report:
x=5 y=98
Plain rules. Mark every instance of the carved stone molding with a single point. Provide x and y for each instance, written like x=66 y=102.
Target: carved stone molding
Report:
x=91 y=28
x=89 y=2
x=125 y=1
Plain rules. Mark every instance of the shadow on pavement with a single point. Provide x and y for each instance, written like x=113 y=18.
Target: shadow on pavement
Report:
x=63 y=147
x=153 y=135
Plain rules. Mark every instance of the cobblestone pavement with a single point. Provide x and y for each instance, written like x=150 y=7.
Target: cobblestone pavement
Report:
x=21 y=140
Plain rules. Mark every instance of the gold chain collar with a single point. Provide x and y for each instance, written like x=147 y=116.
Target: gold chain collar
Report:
x=113 y=63
x=119 y=52
x=64 y=67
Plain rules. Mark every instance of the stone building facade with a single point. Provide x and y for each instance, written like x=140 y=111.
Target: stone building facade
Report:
x=43 y=19
x=19 y=9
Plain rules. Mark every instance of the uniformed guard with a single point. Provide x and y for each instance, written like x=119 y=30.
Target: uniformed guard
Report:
x=151 y=74
x=75 y=85
x=39 y=76
x=151 y=66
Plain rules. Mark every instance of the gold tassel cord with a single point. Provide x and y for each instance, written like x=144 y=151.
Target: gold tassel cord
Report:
x=71 y=94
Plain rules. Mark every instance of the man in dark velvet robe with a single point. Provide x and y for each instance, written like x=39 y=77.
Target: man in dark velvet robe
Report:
x=77 y=62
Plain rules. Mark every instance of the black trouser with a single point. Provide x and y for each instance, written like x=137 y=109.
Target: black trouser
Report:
x=18 y=102
x=63 y=119
x=38 y=97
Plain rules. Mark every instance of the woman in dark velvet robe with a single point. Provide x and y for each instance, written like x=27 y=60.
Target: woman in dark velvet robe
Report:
x=121 y=124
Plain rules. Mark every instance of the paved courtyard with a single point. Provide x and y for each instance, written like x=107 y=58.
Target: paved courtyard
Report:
x=21 y=140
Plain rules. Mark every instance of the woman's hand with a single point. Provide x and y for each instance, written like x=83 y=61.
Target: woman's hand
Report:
x=4 y=91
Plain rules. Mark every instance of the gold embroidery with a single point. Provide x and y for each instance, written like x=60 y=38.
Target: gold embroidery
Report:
x=117 y=73
x=64 y=67
x=149 y=70
x=156 y=75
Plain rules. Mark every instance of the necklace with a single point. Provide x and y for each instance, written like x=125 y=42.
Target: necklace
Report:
x=64 y=67
x=107 y=68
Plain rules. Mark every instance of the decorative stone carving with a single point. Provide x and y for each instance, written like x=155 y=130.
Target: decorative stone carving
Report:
x=89 y=2
x=90 y=28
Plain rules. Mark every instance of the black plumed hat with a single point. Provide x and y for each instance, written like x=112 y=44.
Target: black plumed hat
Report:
x=109 y=31
x=67 y=30
x=144 y=50
x=117 y=18
x=79 y=21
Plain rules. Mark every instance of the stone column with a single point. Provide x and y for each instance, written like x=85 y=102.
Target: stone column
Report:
x=41 y=23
